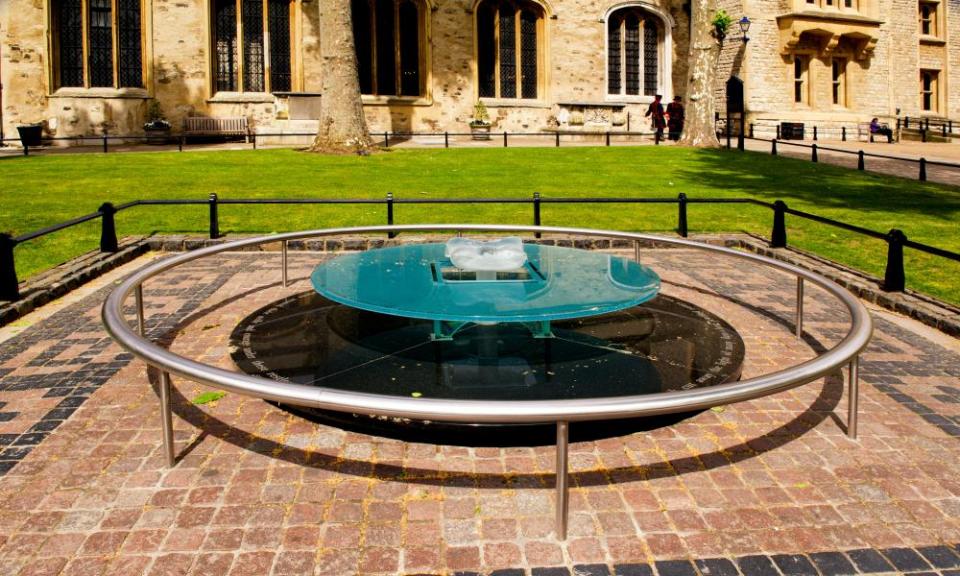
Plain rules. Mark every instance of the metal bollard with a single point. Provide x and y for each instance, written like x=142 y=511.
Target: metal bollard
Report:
x=814 y=133
x=813 y=153
x=778 y=237
x=9 y=285
x=105 y=150
x=214 y=216
x=682 y=214
x=843 y=133
x=108 y=228
x=923 y=169
x=860 y=160
x=390 y=214
x=608 y=137
x=773 y=147
x=751 y=130
x=894 y=278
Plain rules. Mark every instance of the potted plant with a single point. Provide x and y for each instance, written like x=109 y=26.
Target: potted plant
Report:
x=721 y=23
x=480 y=124
x=31 y=134
x=156 y=127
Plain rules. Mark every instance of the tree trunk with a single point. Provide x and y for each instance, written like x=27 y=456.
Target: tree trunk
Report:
x=699 y=129
x=343 y=127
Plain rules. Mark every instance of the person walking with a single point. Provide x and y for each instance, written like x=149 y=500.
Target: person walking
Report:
x=657 y=121
x=675 y=118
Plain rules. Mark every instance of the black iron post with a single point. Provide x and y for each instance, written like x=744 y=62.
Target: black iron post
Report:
x=923 y=169
x=608 y=137
x=104 y=141
x=894 y=279
x=943 y=129
x=778 y=237
x=751 y=130
x=536 y=211
x=860 y=165
x=728 y=130
x=390 y=214
x=214 y=216
x=386 y=139
x=906 y=122
x=927 y=124
x=504 y=138
x=108 y=228
x=180 y=143
x=740 y=145
x=843 y=133
x=923 y=134
x=778 y=132
x=773 y=147
x=813 y=153
x=253 y=140
x=682 y=214
x=9 y=286
x=446 y=139
x=814 y=133
x=950 y=126
x=558 y=138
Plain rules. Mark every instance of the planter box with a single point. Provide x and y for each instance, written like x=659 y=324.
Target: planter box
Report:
x=480 y=132
x=31 y=135
x=157 y=135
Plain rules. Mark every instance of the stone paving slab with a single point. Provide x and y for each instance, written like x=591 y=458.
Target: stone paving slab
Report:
x=770 y=486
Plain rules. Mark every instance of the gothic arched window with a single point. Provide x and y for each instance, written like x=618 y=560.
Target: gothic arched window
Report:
x=388 y=35
x=508 y=49
x=252 y=41
x=112 y=32
x=634 y=40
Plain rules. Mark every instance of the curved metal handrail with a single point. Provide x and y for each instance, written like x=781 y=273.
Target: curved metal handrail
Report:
x=846 y=352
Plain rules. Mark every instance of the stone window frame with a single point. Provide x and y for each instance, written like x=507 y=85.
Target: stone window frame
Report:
x=933 y=19
x=840 y=6
x=931 y=105
x=243 y=95
x=544 y=13
x=664 y=52
x=805 y=80
x=54 y=89
x=425 y=9
x=839 y=83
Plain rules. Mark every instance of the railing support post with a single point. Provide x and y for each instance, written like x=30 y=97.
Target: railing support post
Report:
x=563 y=479
x=446 y=139
x=860 y=165
x=214 y=216
x=386 y=139
x=105 y=145
x=390 y=214
x=798 y=322
x=751 y=130
x=813 y=153
x=141 y=319
x=283 y=263
x=814 y=133
x=108 y=228
x=906 y=122
x=682 y=214
x=504 y=138
x=894 y=278
x=166 y=419
x=778 y=132
x=740 y=144
x=773 y=146
x=843 y=133
x=778 y=237
x=180 y=143
x=923 y=169
x=853 y=397
x=536 y=211
x=558 y=138
x=9 y=285
x=608 y=137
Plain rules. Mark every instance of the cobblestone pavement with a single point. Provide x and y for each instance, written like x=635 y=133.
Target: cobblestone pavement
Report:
x=769 y=486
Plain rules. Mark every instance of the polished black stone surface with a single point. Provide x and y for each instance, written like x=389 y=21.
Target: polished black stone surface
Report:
x=665 y=344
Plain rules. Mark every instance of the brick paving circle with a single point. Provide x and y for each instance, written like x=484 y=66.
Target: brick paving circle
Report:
x=770 y=486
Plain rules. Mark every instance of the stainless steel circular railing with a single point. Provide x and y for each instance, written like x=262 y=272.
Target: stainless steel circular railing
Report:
x=844 y=353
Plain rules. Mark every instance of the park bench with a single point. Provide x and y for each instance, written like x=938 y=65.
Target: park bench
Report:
x=202 y=126
x=863 y=130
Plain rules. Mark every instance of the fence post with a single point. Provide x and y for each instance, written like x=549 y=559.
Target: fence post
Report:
x=108 y=228
x=814 y=133
x=894 y=279
x=558 y=138
x=927 y=124
x=906 y=122
x=813 y=153
x=778 y=237
x=105 y=142
x=608 y=137
x=536 y=211
x=751 y=129
x=843 y=133
x=180 y=143
x=740 y=145
x=386 y=139
x=778 y=132
x=923 y=134
x=943 y=129
x=773 y=147
x=390 y=214
x=504 y=138
x=446 y=139
x=923 y=169
x=950 y=126
x=682 y=214
x=9 y=286
x=860 y=160
x=214 y=216
x=253 y=140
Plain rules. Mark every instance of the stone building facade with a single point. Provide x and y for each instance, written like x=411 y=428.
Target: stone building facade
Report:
x=85 y=66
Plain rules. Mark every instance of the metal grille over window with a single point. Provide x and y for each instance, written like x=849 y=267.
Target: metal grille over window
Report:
x=528 y=54
x=651 y=37
x=409 y=49
x=278 y=23
x=486 y=51
x=100 y=43
x=253 y=78
x=363 y=41
x=129 y=44
x=508 y=52
x=68 y=20
x=225 y=17
x=631 y=50
x=614 y=67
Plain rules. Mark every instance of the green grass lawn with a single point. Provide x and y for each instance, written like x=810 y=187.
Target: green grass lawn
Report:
x=43 y=190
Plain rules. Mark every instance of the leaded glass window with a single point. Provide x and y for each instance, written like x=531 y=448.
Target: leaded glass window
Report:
x=97 y=43
x=388 y=36
x=249 y=37
x=508 y=49
x=633 y=53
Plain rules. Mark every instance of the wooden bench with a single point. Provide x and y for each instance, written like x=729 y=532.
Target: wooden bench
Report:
x=202 y=126
x=863 y=130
